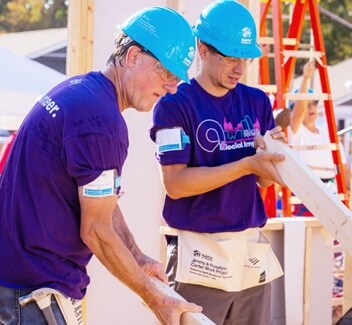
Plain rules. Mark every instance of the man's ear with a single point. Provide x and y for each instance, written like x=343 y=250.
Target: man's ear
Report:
x=132 y=55
x=202 y=50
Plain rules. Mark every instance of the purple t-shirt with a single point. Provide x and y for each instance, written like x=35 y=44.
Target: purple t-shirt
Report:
x=70 y=136
x=220 y=130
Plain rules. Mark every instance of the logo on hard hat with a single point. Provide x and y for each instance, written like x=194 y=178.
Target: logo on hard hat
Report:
x=246 y=36
x=188 y=60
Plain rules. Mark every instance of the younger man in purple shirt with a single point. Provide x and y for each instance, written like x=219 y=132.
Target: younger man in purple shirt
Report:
x=206 y=136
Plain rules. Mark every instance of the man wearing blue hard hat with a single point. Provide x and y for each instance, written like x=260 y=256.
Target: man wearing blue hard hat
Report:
x=206 y=136
x=60 y=186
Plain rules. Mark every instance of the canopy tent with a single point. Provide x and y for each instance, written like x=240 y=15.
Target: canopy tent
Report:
x=22 y=82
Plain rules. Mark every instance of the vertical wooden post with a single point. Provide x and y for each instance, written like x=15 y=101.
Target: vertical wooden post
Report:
x=251 y=75
x=80 y=37
x=347 y=284
x=307 y=276
x=178 y=5
x=80 y=51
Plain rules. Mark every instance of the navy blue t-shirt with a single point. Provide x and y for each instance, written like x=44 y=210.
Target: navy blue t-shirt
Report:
x=220 y=130
x=70 y=136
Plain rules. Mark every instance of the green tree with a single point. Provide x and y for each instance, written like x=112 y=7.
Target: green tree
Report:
x=337 y=37
x=23 y=15
x=336 y=22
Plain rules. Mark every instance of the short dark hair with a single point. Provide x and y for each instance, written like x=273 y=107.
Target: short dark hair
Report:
x=122 y=43
x=212 y=49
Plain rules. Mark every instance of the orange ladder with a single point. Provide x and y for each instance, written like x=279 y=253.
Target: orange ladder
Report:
x=285 y=52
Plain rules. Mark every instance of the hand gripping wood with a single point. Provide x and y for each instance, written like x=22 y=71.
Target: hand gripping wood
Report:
x=186 y=318
x=313 y=193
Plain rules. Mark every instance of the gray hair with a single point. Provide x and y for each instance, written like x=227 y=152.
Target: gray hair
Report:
x=122 y=43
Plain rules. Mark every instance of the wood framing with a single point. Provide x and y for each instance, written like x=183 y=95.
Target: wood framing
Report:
x=80 y=37
x=187 y=318
x=178 y=5
x=347 y=284
x=313 y=193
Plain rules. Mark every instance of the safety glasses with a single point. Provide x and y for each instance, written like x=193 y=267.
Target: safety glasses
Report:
x=227 y=60
x=160 y=70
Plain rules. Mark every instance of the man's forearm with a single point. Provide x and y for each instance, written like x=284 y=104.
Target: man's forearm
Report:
x=124 y=233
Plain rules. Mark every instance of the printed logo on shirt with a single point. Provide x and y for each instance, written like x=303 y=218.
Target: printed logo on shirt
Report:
x=211 y=134
x=75 y=81
x=51 y=107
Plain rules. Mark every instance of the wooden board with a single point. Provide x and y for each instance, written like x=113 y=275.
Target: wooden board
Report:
x=313 y=193
x=187 y=318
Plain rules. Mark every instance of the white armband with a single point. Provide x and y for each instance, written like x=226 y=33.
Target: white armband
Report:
x=171 y=140
x=104 y=185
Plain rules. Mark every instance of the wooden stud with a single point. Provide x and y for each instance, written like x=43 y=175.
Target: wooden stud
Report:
x=324 y=205
x=307 y=276
x=347 y=284
x=80 y=37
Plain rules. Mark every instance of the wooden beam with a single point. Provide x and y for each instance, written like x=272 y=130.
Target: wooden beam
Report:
x=178 y=5
x=314 y=194
x=80 y=37
x=347 y=284
x=186 y=318
x=251 y=74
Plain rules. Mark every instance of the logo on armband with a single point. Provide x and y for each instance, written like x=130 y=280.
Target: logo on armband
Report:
x=171 y=140
x=104 y=185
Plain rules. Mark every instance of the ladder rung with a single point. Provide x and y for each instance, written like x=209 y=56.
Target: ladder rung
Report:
x=266 y=1
x=270 y=40
x=294 y=200
x=337 y=301
x=283 y=16
x=338 y=249
x=342 y=196
x=327 y=146
x=306 y=46
x=307 y=96
x=268 y=88
x=302 y=54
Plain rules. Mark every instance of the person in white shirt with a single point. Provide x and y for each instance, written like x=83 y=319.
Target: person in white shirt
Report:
x=304 y=130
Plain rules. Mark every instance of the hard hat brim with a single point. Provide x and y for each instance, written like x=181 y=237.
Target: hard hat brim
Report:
x=251 y=51
x=245 y=52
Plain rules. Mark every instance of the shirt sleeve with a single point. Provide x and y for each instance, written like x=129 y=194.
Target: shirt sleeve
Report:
x=169 y=115
x=87 y=156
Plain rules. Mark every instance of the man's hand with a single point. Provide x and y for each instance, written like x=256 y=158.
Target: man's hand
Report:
x=262 y=165
x=168 y=306
x=276 y=133
x=262 y=162
x=170 y=310
x=152 y=267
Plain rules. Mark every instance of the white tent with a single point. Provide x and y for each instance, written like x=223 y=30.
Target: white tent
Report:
x=22 y=82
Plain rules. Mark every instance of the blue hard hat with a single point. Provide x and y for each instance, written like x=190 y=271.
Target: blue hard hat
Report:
x=228 y=26
x=167 y=35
